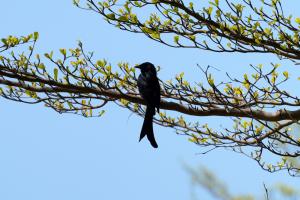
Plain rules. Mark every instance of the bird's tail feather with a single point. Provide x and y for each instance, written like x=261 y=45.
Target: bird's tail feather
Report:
x=147 y=128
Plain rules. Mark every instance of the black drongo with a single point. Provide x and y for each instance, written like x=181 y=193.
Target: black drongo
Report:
x=150 y=91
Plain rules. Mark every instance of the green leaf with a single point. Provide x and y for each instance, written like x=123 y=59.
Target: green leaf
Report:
x=155 y=35
x=76 y=2
x=147 y=30
x=176 y=39
x=209 y=10
x=55 y=73
x=36 y=35
x=4 y=41
x=297 y=20
x=192 y=37
x=286 y=74
x=101 y=113
x=111 y=16
x=210 y=80
x=101 y=63
x=28 y=93
x=70 y=105
x=63 y=52
x=49 y=56
x=193 y=140
x=105 y=4
x=41 y=66
x=123 y=18
x=276 y=65
x=268 y=31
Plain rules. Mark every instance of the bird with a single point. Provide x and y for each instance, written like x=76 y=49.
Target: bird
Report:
x=149 y=90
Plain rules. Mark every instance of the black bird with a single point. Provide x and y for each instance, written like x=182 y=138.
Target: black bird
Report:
x=150 y=91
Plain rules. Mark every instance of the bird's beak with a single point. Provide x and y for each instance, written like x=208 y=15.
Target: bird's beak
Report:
x=138 y=66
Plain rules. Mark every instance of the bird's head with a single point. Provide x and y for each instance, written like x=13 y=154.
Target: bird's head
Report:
x=146 y=68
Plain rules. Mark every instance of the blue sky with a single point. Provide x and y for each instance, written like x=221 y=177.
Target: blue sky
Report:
x=46 y=155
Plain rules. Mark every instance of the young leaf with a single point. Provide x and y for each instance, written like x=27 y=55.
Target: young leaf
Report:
x=63 y=52
x=36 y=35
x=55 y=73
x=286 y=74
x=176 y=39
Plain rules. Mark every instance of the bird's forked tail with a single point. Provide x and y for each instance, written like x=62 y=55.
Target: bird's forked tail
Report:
x=147 y=128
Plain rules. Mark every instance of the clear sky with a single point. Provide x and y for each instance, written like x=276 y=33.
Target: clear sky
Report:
x=46 y=155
